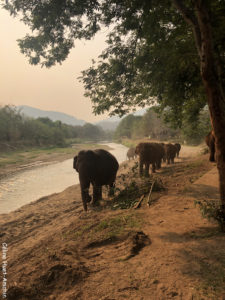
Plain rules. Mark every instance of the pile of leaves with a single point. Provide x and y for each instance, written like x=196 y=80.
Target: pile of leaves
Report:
x=128 y=196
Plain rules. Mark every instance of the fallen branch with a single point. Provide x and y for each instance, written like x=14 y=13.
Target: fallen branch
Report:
x=139 y=202
x=150 y=192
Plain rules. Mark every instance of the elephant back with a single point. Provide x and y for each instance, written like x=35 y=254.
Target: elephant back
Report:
x=131 y=152
x=170 y=150
x=148 y=152
x=99 y=166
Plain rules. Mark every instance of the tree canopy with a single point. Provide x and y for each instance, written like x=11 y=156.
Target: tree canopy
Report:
x=153 y=126
x=155 y=50
x=151 y=55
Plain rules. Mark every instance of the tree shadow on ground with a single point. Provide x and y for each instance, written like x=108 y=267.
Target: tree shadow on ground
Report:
x=202 y=258
x=202 y=191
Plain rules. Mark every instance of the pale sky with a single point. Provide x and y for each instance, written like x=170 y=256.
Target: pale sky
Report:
x=57 y=88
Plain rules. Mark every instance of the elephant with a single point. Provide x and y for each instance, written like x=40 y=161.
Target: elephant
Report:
x=210 y=142
x=148 y=154
x=170 y=151
x=97 y=167
x=178 y=146
x=131 y=153
x=161 y=153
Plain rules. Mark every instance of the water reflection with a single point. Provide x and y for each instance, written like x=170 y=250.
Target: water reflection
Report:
x=29 y=185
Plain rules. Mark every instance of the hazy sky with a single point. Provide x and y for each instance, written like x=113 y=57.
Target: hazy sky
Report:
x=57 y=88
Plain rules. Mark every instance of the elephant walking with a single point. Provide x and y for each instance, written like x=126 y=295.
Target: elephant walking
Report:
x=149 y=154
x=170 y=153
x=178 y=146
x=131 y=153
x=97 y=167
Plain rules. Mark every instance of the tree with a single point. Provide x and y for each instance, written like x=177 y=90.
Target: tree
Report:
x=195 y=130
x=207 y=20
x=126 y=125
x=154 y=53
x=92 y=132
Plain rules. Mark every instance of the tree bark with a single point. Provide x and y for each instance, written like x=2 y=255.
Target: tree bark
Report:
x=210 y=73
x=214 y=91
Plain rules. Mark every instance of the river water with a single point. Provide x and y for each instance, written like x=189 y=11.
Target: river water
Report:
x=31 y=184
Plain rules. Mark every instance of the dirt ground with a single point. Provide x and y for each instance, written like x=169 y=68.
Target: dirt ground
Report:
x=162 y=251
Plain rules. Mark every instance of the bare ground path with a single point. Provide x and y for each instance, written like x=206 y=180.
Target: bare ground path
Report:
x=165 y=251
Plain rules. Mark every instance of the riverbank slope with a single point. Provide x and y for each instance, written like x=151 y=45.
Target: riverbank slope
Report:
x=165 y=251
x=14 y=161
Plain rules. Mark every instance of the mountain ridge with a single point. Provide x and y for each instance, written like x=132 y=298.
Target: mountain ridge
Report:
x=53 y=115
x=106 y=124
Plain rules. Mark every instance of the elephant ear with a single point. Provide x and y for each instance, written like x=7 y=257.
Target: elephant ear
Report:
x=75 y=163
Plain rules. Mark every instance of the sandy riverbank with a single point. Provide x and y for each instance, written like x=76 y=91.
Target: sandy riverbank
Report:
x=165 y=251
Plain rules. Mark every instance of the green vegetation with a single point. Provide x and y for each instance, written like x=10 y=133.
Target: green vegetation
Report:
x=109 y=227
x=21 y=156
x=154 y=126
x=151 y=56
x=18 y=131
x=170 y=53
x=212 y=211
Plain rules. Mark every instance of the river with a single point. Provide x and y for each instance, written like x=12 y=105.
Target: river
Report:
x=26 y=186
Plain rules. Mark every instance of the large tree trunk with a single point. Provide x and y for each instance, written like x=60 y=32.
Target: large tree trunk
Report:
x=210 y=72
x=214 y=91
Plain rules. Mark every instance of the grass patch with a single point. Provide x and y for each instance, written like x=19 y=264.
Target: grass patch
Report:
x=109 y=227
x=28 y=155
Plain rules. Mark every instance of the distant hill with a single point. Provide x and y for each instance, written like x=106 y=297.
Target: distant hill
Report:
x=53 y=115
x=107 y=124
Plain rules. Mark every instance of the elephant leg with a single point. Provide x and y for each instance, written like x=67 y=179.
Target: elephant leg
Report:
x=111 y=189
x=159 y=164
x=147 y=169
x=84 y=185
x=97 y=193
x=153 y=168
x=85 y=194
x=140 y=168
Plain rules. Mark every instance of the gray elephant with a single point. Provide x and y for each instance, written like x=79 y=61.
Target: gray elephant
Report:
x=131 y=153
x=97 y=167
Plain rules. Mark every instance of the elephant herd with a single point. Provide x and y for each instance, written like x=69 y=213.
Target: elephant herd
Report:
x=99 y=167
x=154 y=153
